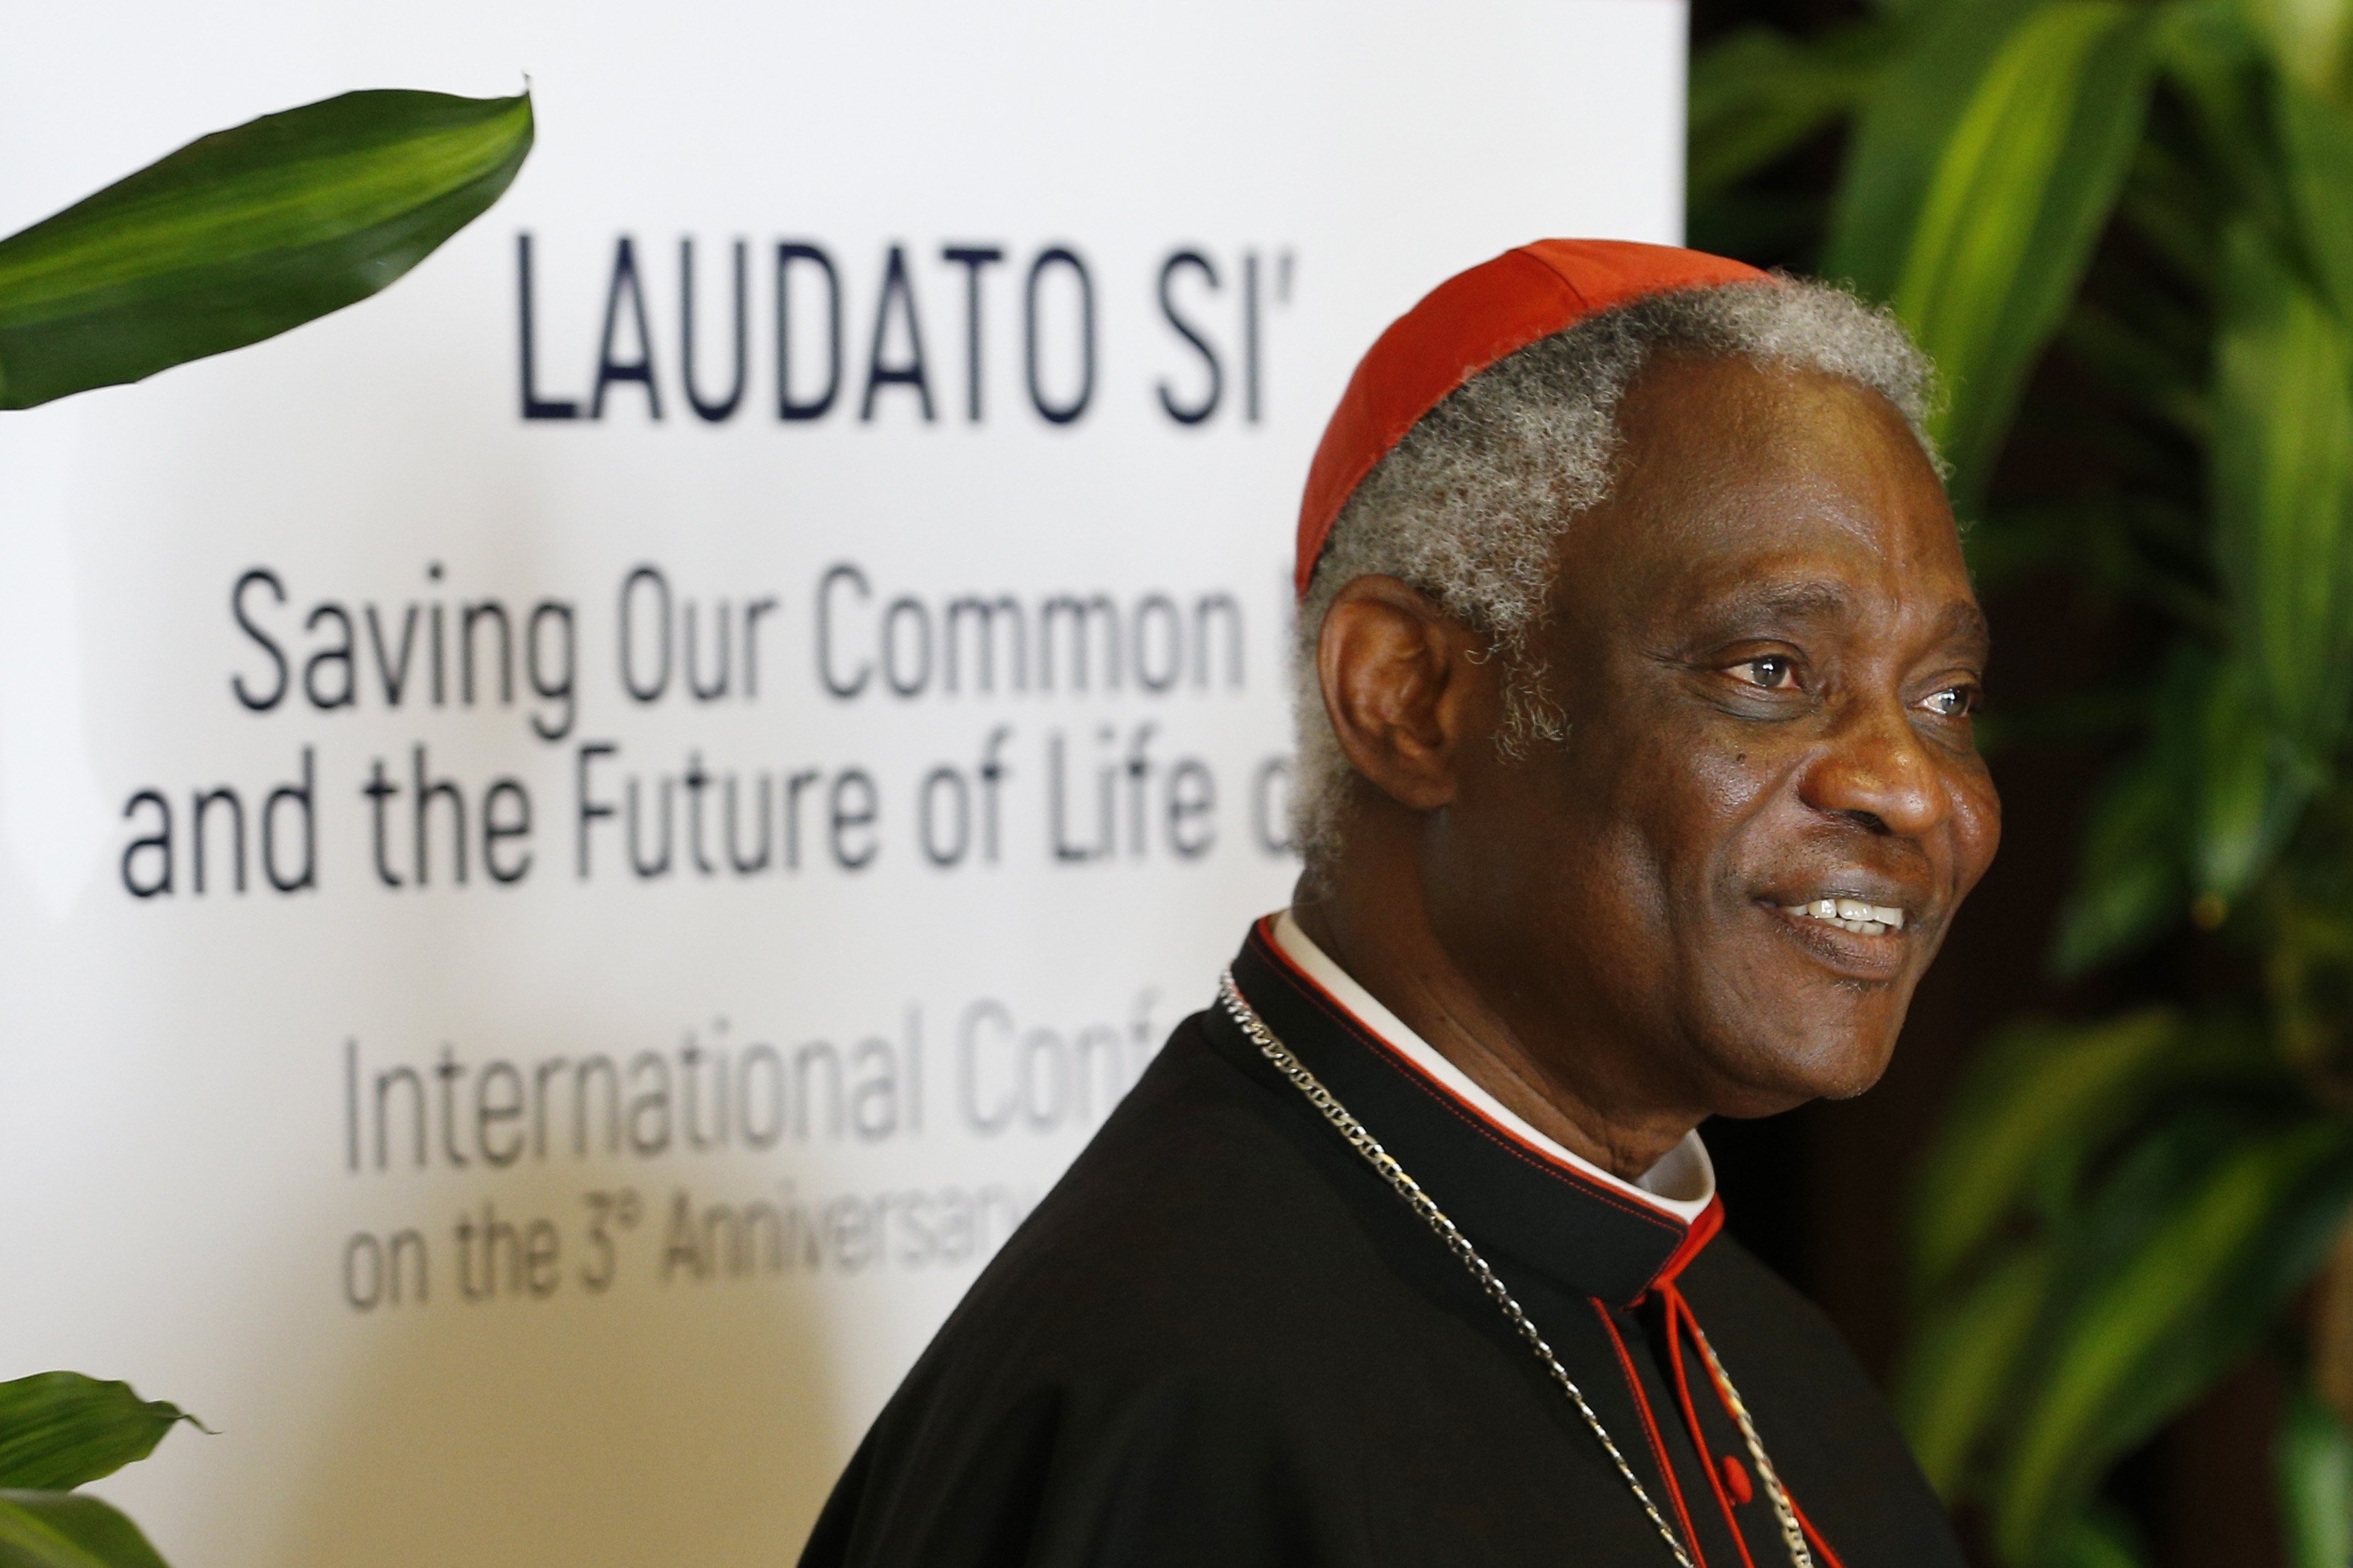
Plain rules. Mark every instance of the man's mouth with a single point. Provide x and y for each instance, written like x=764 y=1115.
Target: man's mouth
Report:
x=1859 y=939
x=1855 y=915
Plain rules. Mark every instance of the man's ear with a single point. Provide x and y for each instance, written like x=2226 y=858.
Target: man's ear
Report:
x=1403 y=687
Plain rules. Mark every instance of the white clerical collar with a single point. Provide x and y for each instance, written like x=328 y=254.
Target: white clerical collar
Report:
x=1682 y=1182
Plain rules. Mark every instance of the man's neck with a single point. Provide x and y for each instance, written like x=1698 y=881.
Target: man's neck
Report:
x=1386 y=944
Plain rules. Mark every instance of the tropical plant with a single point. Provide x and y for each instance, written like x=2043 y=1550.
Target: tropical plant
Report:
x=59 y=1431
x=2124 y=232
x=235 y=237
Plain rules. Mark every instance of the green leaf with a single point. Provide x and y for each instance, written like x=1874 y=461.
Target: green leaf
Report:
x=2283 y=490
x=2310 y=39
x=2187 y=826
x=2021 y=189
x=2039 y=1091
x=68 y=1530
x=244 y=233
x=2173 y=1272
x=2097 y=1538
x=2131 y=886
x=2244 y=799
x=60 y=1429
x=2316 y=141
x=1757 y=94
x=1904 y=124
x=2312 y=1459
x=1963 y=1362
x=2218 y=64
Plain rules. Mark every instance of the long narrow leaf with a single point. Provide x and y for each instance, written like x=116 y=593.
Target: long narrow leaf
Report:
x=2243 y=798
x=244 y=233
x=2310 y=39
x=2097 y=1538
x=1965 y=1362
x=2038 y=1089
x=2199 y=815
x=1906 y=120
x=2283 y=490
x=2020 y=194
x=2132 y=884
x=2176 y=1272
x=2313 y=1459
x=60 y=1430
x=2316 y=138
x=68 y=1530
x=2218 y=64
x=1757 y=94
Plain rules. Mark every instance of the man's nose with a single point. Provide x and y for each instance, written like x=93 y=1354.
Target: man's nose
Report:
x=1876 y=770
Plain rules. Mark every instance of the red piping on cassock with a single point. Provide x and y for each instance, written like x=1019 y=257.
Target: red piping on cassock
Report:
x=1678 y=1311
x=1681 y=1322
x=1651 y=1427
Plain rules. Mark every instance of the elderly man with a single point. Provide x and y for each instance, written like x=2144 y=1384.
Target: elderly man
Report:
x=1636 y=662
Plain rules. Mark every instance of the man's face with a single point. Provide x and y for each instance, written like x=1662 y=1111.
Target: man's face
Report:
x=1767 y=651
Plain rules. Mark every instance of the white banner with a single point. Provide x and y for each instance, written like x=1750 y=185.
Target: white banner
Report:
x=581 y=840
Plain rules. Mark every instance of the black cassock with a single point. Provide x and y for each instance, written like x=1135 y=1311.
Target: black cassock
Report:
x=1223 y=1339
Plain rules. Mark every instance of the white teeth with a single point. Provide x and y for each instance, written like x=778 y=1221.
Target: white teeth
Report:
x=1852 y=914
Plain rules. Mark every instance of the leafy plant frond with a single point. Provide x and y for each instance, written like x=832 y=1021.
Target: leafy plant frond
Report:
x=60 y=1430
x=2313 y=1459
x=1899 y=135
x=2172 y=1273
x=67 y=1529
x=2024 y=182
x=1758 y=94
x=246 y=233
x=1968 y=1347
x=2284 y=491
x=2041 y=1099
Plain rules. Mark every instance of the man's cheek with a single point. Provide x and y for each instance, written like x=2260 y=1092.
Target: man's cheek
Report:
x=1726 y=778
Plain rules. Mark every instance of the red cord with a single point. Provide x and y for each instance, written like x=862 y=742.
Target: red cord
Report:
x=1678 y=1311
x=1649 y=1425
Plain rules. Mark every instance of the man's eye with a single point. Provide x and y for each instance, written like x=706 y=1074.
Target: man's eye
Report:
x=1772 y=672
x=1954 y=702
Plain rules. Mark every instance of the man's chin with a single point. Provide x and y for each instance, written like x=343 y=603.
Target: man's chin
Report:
x=1807 y=1016
x=1768 y=1074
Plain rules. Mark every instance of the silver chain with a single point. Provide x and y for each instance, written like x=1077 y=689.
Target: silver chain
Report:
x=1793 y=1535
x=1246 y=1018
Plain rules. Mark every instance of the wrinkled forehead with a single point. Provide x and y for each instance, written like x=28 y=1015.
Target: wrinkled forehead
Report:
x=1738 y=483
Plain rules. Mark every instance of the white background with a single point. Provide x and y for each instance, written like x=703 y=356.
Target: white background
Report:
x=174 y=1192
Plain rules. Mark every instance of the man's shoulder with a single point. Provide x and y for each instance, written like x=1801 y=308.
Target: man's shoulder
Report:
x=1194 y=1226
x=1221 y=1338
x=1140 y=1360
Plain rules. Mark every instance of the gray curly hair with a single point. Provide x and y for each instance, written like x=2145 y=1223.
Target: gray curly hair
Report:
x=1469 y=506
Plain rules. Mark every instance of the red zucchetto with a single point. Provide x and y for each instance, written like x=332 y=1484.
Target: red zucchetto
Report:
x=1467 y=323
